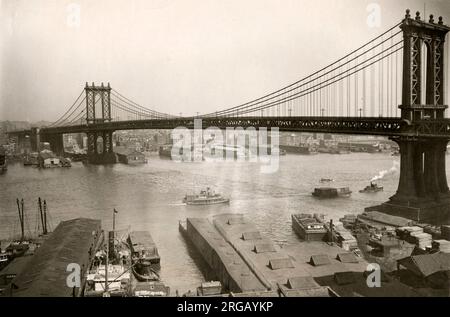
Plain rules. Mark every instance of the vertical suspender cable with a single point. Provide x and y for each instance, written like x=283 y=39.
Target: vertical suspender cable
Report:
x=364 y=93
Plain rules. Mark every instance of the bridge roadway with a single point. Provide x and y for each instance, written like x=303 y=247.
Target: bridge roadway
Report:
x=340 y=125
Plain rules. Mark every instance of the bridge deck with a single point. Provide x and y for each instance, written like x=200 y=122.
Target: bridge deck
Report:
x=338 y=125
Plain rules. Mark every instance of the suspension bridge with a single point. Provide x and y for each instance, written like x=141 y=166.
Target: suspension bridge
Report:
x=393 y=86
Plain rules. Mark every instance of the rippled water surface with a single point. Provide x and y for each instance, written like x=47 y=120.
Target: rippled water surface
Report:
x=148 y=197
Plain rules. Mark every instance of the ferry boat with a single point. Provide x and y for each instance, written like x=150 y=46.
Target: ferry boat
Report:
x=326 y=180
x=206 y=197
x=331 y=192
x=144 y=256
x=309 y=227
x=372 y=188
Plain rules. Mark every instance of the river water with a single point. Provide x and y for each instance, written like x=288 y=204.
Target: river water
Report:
x=148 y=197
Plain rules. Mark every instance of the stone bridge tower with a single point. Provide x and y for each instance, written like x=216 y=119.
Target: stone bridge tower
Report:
x=422 y=193
x=98 y=111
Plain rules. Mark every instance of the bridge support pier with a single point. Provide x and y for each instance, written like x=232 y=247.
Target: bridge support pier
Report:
x=56 y=142
x=104 y=155
x=423 y=193
x=35 y=140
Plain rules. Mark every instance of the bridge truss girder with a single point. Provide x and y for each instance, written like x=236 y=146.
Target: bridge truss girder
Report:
x=337 y=125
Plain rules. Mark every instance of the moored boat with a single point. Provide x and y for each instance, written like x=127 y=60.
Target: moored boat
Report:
x=111 y=280
x=109 y=274
x=211 y=288
x=144 y=256
x=309 y=227
x=303 y=149
x=3 y=259
x=151 y=289
x=3 y=164
x=31 y=159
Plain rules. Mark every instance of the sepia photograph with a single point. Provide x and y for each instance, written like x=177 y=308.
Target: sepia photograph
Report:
x=204 y=149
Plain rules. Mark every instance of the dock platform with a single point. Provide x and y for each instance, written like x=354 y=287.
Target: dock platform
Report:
x=234 y=247
x=230 y=268
x=45 y=273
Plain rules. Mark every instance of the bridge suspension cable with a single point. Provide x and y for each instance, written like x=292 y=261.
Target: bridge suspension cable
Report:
x=323 y=100
x=324 y=84
x=133 y=107
x=63 y=117
x=364 y=81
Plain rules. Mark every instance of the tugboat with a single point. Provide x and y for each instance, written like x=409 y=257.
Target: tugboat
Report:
x=144 y=256
x=146 y=266
x=206 y=197
x=372 y=188
x=326 y=180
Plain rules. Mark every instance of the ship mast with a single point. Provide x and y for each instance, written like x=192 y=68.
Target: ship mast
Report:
x=20 y=208
x=106 y=293
x=41 y=214
x=45 y=218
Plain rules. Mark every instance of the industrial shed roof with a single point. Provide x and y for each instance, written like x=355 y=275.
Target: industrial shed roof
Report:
x=302 y=282
x=45 y=273
x=262 y=247
x=347 y=257
x=251 y=235
x=427 y=264
x=283 y=263
x=320 y=259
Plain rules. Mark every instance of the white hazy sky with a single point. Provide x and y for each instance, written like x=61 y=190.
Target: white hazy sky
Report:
x=175 y=55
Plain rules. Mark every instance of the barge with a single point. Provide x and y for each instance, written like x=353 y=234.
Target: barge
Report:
x=298 y=149
x=309 y=227
x=230 y=269
x=144 y=256
x=331 y=192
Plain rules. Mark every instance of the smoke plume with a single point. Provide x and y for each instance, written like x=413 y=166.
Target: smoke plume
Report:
x=395 y=167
